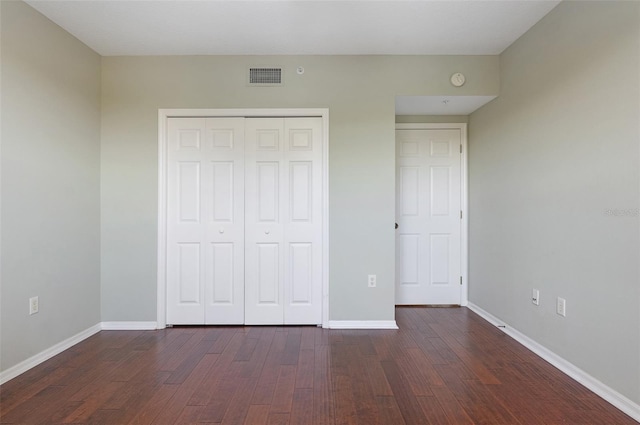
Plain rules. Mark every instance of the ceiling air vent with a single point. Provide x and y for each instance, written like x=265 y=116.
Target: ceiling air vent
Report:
x=265 y=76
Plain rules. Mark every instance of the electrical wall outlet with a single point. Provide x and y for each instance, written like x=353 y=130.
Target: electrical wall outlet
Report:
x=561 y=307
x=535 y=297
x=371 y=279
x=33 y=305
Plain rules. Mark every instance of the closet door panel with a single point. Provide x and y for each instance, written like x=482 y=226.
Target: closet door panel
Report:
x=224 y=227
x=185 y=235
x=264 y=227
x=205 y=221
x=302 y=160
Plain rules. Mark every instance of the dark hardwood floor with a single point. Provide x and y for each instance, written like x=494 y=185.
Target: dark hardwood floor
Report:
x=444 y=366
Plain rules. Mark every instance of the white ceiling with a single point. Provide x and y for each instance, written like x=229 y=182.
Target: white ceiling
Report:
x=295 y=27
x=304 y=27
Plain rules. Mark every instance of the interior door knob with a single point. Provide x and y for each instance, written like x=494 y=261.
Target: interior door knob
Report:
x=396 y=225
x=221 y=230
x=266 y=232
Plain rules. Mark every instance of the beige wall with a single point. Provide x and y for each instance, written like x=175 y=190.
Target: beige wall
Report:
x=548 y=160
x=50 y=184
x=360 y=94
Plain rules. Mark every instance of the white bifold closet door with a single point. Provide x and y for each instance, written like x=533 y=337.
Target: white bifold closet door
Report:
x=205 y=221
x=283 y=231
x=244 y=233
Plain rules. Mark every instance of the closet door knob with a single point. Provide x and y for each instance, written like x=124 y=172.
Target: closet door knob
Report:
x=266 y=232
x=221 y=230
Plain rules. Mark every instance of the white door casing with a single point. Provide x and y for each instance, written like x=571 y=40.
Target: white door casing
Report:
x=205 y=233
x=303 y=201
x=430 y=199
x=283 y=220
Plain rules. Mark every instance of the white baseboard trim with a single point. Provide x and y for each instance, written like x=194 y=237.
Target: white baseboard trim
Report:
x=609 y=394
x=45 y=355
x=362 y=324
x=129 y=326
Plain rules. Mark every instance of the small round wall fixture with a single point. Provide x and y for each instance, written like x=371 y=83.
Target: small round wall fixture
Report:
x=458 y=79
x=300 y=70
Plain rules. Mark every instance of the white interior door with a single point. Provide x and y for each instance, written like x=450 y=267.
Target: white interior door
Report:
x=428 y=213
x=283 y=225
x=205 y=221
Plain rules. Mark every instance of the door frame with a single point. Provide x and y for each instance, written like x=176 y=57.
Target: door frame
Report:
x=163 y=116
x=464 y=197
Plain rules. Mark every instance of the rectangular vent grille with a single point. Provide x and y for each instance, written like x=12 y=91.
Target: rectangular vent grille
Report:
x=265 y=76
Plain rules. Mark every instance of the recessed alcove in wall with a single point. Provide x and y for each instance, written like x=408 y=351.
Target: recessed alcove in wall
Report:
x=440 y=105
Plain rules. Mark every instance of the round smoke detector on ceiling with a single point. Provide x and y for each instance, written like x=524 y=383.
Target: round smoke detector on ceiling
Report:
x=300 y=70
x=458 y=79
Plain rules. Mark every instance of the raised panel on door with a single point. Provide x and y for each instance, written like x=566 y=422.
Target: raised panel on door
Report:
x=301 y=273
x=409 y=178
x=221 y=260
x=428 y=203
x=187 y=283
x=268 y=303
x=409 y=288
x=268 y=276
x=268 y=187
x=222 y=194
x=188 y=191
x=301 y=191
